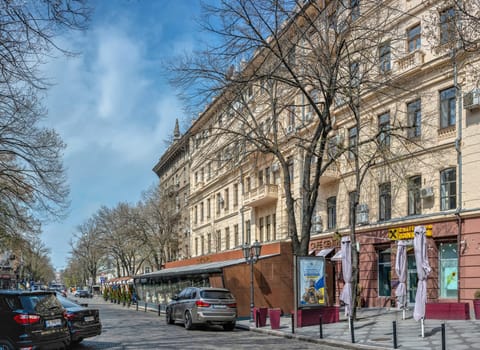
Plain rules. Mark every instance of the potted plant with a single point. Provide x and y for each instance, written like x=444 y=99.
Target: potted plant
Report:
x=476 y=304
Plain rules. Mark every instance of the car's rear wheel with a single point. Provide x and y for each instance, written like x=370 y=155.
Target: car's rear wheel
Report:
x=5 y=345
x=229 y=326
x=188 y=320
x=169 y=317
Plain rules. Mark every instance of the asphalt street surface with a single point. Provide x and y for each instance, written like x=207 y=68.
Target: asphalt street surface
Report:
x=126 y=328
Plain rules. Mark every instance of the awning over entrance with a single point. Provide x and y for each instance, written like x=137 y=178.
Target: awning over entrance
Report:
x=337 y=257
x=324 y=252
x=190 y=270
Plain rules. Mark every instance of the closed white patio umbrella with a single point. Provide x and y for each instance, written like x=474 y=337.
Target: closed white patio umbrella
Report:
x=423 y=270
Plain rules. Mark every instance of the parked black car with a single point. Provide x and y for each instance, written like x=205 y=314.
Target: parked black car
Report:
x=82 y=293
x=32 y=320
x=83 y=322
x=203 y=306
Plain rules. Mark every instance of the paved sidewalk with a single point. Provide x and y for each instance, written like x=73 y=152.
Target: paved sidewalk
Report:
x=374 y=330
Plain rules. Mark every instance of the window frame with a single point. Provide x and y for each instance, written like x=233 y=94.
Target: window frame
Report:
x=414 y=201
x=384 y=201
x=384 y=130
x=331 y=212
x=414 y=118
x=414 y=38
x=446 y=24
x=448 y=107
x=385 y=57
x=446 y=196
x=384 y=268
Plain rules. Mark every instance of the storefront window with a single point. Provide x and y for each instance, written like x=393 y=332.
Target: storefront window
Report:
x=448 y=270
x=384 y=268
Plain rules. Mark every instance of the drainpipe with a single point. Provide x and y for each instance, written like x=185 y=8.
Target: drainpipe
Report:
x=458 y=148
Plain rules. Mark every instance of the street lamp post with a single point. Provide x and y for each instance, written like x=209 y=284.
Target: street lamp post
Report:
x=251 y=254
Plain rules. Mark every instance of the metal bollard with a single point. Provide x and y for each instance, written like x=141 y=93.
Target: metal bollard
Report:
x=352 y=330
x=293 y=323
x=137 y=305
x=444 y=343
x=257 y=318
x=394 y=324
x=159 y=305
x=145 y=306
x=321 y=328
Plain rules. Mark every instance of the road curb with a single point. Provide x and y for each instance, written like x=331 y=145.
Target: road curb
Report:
x=330 y=342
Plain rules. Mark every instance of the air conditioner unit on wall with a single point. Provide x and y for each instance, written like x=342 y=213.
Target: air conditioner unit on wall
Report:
x=471 y=100
x=426 y=192
x=362 y=214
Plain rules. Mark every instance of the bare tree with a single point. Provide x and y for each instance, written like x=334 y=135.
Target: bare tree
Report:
x=276 y=74
x=159 y=222
x=32 y=177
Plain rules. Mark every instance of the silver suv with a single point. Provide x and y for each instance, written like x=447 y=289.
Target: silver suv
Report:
x=195 y=306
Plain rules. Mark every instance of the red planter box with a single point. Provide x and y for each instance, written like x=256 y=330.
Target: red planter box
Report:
x=311 y=317
x=447 y=311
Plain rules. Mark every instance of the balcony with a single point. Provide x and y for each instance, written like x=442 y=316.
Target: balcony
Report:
x=261 y=195
x=409 y=62
x=331 y=174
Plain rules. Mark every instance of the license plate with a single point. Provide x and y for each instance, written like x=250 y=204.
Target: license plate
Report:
x=219 y=306
x=89 y=318
x=53 y=323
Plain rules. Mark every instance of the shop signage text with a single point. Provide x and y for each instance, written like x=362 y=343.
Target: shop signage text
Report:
x=401 y=233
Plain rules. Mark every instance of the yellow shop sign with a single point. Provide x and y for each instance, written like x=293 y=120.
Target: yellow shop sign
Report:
x=401 y=233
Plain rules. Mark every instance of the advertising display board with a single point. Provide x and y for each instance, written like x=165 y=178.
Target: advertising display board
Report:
x=311 y=281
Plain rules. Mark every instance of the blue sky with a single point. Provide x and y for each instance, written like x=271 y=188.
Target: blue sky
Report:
x=112 y=105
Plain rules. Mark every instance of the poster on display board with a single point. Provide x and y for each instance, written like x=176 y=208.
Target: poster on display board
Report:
x=311 y=281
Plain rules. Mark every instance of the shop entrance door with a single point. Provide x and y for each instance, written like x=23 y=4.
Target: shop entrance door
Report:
x=412 y=279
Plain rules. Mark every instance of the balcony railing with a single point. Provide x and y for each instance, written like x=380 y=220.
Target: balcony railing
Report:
x=410 y=61
x=261 y=195
x=332 y=173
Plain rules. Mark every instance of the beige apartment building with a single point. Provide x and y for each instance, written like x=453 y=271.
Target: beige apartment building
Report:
x=417 y=137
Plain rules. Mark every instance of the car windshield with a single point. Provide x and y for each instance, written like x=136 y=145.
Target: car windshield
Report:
x=216 y=294
x=40 y=303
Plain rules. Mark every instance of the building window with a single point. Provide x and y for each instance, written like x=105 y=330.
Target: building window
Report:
x=414 y=116
x=268 y=230
x=260 y=178
x=332 y=212
x=414 y=38
x=209 y=208
x=195 y=215
x=218 y=243
x=203 y=245
x=355 y=9
x=352 y=198
x=226 y=200
x=291 y=171
x=448 y=270
x=385 y=202
x=414 y=200
x=384 y=273
x=209 y=243
x=448 y=189
x=248 y=232
x=352 y=142
x=260 y=229
x=219 y=203
x=384 y=130
x=201 y=212
x=227 y=238
x=236 y=238
x=291 y=115
x=267 y=175
x=196 y=245
x=447 y=107
x=147 y=269
x=384 y=56
x=235 y=195
x=354 y=74
x=447 y=25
